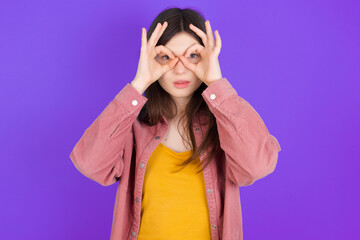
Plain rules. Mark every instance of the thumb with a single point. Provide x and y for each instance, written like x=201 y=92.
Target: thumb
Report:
x=187 y=64
x=170 y=65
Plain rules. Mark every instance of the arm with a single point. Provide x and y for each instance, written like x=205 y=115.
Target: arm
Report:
x=251 y=152
x=99 y=153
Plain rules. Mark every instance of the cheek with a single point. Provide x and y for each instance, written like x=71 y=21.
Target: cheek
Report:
x=164 y=78
x=198 y=82
x=163 y=82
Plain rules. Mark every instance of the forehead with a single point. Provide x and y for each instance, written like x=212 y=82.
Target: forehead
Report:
x=180 y=42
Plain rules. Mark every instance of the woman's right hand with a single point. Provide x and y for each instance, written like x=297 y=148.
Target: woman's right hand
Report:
x=149 y=69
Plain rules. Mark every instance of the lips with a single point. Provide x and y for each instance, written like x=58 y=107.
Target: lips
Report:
x=181 y=81
x=184 y=84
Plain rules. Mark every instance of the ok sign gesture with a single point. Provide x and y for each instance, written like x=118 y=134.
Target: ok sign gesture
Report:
x=208 y=69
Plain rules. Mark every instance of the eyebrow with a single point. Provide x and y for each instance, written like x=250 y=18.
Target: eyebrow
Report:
x=185 y=49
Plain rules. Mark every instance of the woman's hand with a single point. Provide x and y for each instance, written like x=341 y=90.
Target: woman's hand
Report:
x=149 y=69
x=208 y=68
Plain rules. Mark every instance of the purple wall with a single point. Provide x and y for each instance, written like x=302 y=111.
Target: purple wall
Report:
x=296 y=62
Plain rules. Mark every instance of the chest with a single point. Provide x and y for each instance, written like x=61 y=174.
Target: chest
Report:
x=174 y=141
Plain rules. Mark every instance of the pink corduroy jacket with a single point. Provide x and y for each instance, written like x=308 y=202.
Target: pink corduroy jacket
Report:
x=117 y=146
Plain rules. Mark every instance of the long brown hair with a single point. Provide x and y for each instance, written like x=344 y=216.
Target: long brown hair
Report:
x=161 y=103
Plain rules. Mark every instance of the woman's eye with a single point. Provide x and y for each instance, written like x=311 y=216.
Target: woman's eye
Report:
x=194 y=58
x=166 y=57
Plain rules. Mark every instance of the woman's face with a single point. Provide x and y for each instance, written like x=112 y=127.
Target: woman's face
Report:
x=178 y=44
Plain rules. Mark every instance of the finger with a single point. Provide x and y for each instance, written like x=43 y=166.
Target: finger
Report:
x=162 y=49
x=169 y=50
x=143 y=38
x=209 y=33
x=158 y=35
x=218 y=41
x=187 y=64
x=171 y=64
x=200 y=33
x=153 y=35
x=194 y=48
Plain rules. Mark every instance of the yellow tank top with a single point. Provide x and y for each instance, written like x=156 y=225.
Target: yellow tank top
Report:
x=174 y=205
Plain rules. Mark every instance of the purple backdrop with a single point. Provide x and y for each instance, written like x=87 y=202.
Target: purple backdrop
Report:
x=296 y=62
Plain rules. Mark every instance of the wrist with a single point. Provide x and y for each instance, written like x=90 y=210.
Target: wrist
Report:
x=139 y=85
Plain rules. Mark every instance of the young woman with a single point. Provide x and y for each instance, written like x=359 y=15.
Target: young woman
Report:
x=181 y=151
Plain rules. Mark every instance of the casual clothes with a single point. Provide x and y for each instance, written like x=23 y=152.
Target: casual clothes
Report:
x=173 y=204
x=117 y=147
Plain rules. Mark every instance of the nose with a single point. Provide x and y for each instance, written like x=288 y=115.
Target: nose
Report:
x=179 y=67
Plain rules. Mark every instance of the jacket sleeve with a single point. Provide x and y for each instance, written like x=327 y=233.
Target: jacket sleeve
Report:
x=251 y=152
x=99 y=153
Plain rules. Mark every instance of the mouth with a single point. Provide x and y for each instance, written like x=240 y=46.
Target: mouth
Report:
x=181 y=83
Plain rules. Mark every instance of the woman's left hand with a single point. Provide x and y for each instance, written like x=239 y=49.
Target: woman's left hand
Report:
x=208 y=68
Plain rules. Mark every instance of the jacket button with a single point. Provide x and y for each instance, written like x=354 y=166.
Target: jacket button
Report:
x=142 y=165
x=214 y=226
x=209 y=190
x=212 y=96
x=157 y=137
x=197 y=129
x=137 y=200
x=133 y=234
x=134 y=102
